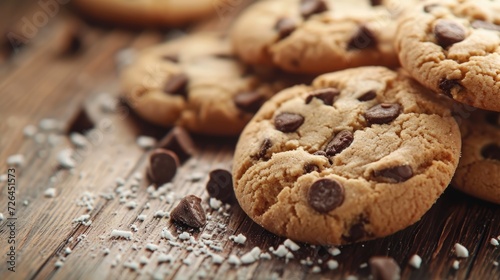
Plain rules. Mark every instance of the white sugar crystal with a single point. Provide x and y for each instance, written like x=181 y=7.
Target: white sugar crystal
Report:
x=282 y=251
x=82 y=218
x=494 y=242
x=351 y=277
x=132 y=265
x=3 y=178
x=29 y=131
x=59 y=264
x=67 y=250
x=131 y=205
x=240 y=238
x=107 y=103
x=165 y=233
x=217 y=259
x=332 y=264
x=143 y=260
x=196 y=176
x=106 y=251
x=415 y=261
x=25 y=202
x=495 y=263
x=215 y=247
x=40 y=139
x=50 y=124
x=234 y=260
x=206 y=236
x=363 y=265
x=291 y=245
x=456 y=264
x=151 y=247
x=65 y=159
x=461 y=251
x=78 y=140
x=289 y=255
x=121 y=234
x=165 y=258
x=184 y=236
x=215 y=203
x=316 y=269
x=146 y=142
x=251 y=256
x=50 y=192
x=54 y=139
x=134 y=228
x=265 y=256
x=15 y=160
x=334 y=251
x=188 y=260
x=125 y=57
x=161 y=214
x=1 y=217
x=141 y=217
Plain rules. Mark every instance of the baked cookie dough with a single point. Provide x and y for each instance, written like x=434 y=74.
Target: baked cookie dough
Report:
x=478 y=172
x=360 y=154
x=196 y=82
x=149 y=13
x=453 y=47
x=318 y=36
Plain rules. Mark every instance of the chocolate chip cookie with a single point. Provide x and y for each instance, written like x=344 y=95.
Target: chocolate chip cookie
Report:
x=478 y=173
x=196 y=82
x=453 y=47
x=360 y=154
x=318 y=36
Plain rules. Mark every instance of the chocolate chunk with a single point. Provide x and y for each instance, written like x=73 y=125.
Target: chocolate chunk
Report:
x=220 y=185
x=369 y=95
x=493 y=118
x=481 y=24
x=447 y=85
x=383 y=113
x=395 y=174
x=384 y=268
x=363 y=39
x=308 y=168
x=249 y=101
x=162 y=166
x=357 y=231
x=285 y=27
x=327 y=95
x=325 y=195
x=189 y=212
x=266 y=145
x=376 y=2
x=177 y=84
x=339 y=143
x=491 y=151
x=179 y=141
x=311 y=7
x=448 y=33
x=429 y=7
x=288 y=122
x=171 y=57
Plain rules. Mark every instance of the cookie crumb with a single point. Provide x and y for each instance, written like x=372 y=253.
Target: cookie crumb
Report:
x=215 y=203
x=415 y=261
x=234 y=260
x=461 y=251
x=121 y=234
x=282 y=251
x=240 y=239
x=291 y=245
x=65 y=159
x=50 y=192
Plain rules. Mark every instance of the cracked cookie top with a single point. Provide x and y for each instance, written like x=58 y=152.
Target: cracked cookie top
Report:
x=453 y=47
x=359 y=154
x=318 y=36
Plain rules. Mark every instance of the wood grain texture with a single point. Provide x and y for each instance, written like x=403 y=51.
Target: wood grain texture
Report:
x=37 y=83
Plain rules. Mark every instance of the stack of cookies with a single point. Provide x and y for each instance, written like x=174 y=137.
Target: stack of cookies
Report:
x=352 y=116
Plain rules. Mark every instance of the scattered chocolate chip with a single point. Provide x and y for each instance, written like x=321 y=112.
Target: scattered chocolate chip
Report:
x=249 y=101
x=491 y=151
x=320 y=153
x=340 y=142
x=266 y=145
x=493 y=118
x=446 y=86
x=383 y=113
x=396 y=174
x=428 y=8
x=369 y=95
x=327 y=95
x=363 y=39
x=481 y=24
x=376 y=2
x=220 y=185
x=179 y=141
x=325 y=195
x=177 y=84
x=288 y=122
x=171 y=57
x=189 y=212
x=384 y=268
x=308 y=168
x=311 y=7
x=448 y=33
x=285 y=27
x=357 y=231
x=163 y=165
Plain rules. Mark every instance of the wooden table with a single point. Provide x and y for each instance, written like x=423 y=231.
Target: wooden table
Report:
x=38 y=83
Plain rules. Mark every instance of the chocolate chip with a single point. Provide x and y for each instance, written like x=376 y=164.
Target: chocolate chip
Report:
x=177 y=84
x=220 y=185
x=376 y=2
x=249 y=101
x=369 y=95
x=189 y=212
x=493 y=118
x=179 y=141
x=285 y=27
x=308 y=168
x=288 y=122
x=491 y=151
x=383 y=113
x=327 y=95
x=357 y=231
x=447 y=85
x=311 y=7
x=171 y=57
x=320 y=153
x=428 y=8
x=325 y=195
x=340 y=142
x=363 y=39
x=448 y=33
x=481 y=24
x=395 y=174
x=266 y=145
x=162 y=166
x=384 y=268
